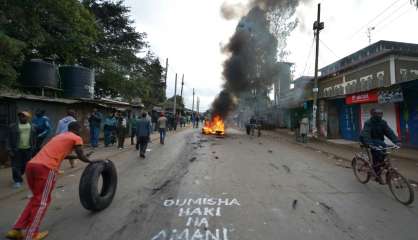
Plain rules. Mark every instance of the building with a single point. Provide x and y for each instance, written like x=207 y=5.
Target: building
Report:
x=382 y=75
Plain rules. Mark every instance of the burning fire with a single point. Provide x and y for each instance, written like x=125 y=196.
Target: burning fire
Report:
x=216 y=126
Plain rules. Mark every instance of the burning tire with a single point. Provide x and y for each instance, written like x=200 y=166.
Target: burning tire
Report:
x=94 y=197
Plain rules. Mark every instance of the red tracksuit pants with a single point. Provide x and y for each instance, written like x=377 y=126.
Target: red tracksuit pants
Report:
x=41 y=181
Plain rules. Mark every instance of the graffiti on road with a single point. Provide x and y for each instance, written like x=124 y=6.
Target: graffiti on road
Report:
x=197 y=213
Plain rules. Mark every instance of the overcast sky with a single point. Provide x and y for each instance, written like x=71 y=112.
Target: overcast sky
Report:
x=191 y=32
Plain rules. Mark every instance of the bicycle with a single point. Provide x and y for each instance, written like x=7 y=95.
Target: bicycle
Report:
x=363 y=169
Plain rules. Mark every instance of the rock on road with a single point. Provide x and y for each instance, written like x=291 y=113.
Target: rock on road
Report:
x=202 y=187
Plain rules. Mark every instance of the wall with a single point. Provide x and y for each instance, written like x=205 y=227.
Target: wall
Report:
x=406 y=70
x=389 y=115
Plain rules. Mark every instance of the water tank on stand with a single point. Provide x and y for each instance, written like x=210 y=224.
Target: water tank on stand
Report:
x=38 y=73
x=77 y=81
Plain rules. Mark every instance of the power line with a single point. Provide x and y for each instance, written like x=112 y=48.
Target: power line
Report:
x=378 y=15
x=309 y=55
x=329 y=49
x=393 y=20
x=392 y=13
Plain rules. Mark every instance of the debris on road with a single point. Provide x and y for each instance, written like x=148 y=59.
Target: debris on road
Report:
x=274 y=166
x=286 y=168
x=325 y=206
x=295 y=202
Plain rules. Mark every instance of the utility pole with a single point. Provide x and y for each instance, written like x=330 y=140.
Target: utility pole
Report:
x=175 y=97
x=182 y=84
x=181 y=93
x=198 y=105
x=166 y=73
x=317 y=27
x=369 y=34
x=193 y=102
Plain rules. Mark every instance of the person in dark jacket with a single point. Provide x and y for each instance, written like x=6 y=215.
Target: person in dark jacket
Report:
x=144 y=129
x=21 y=143
x=42 y=125
x=373 y=134
x=121 y=126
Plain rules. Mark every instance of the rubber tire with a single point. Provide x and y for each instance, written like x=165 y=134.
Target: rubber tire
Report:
x=90 y=197
x=353 y=165
x=410 y=189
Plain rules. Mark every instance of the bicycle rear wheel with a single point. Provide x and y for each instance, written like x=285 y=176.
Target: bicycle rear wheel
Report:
x=400 y=187
x=361 y=170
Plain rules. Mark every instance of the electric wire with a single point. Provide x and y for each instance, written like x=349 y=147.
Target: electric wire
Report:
x=374 y=18
x=329 y=49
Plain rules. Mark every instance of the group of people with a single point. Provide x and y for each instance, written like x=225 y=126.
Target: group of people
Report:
x=26 y=138
x=40 y=162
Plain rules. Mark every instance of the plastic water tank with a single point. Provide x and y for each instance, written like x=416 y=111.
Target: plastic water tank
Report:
x=77 y=81
x=39 y=74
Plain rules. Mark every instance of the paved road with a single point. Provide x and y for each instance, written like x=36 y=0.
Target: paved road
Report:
x=202 y=187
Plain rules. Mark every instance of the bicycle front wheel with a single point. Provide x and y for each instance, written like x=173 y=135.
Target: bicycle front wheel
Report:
x=400 y=187
x=361 y=169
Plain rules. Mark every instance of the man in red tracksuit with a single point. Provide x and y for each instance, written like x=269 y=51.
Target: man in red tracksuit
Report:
x=41 y=172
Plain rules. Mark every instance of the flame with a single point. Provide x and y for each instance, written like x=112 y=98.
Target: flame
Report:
x=216 y=126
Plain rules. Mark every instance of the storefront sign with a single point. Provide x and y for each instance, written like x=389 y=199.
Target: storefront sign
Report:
x=367 y=97
x=391 y=95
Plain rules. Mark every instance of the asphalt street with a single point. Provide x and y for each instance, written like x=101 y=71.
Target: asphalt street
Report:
x=233 y=188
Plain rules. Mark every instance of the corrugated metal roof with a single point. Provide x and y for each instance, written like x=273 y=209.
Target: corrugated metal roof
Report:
x=39 y=98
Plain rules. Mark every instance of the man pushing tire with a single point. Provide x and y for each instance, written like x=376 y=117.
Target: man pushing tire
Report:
x=41 y=172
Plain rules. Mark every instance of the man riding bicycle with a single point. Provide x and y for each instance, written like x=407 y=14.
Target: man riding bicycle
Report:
x=373 y=135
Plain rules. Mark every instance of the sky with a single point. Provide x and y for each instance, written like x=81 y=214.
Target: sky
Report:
x=191 y=33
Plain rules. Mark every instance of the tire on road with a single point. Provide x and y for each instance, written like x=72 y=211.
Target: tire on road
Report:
x=91 y=197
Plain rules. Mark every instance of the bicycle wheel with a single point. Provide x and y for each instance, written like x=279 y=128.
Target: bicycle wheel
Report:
x=400 y=187
x=361 y=170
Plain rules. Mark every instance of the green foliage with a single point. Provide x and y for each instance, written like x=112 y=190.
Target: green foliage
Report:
x=10 y=58
x=97 y=34
x=61 y=29
x=119 y=70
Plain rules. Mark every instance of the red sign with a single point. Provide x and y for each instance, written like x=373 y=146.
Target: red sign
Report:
x=367 y=97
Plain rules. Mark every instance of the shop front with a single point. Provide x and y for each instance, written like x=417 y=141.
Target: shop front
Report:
x=353 y=118
x=409 y=114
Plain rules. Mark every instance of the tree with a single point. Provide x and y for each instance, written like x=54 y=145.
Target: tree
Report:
x=115 y=52
x=62 y=29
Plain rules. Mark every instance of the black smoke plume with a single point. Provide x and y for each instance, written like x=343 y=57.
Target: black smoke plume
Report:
x=252 y=63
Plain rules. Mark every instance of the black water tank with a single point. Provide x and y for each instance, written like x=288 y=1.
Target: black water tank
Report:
x=39 y=74
x=77 y=81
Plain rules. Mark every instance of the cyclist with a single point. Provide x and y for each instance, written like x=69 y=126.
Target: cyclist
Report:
x=373 y=134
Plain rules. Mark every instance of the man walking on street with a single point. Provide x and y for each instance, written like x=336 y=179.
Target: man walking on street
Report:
x=62 y=127
x=63 y=123
x=43 y=129
x=132 y=124
x=94 y=122
x=108 y=128
x=304 y=129
x=373 y=134
x=121 y=130
x=21 y=142
x=162 y=126
x=143 y=134
x=41 y=175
